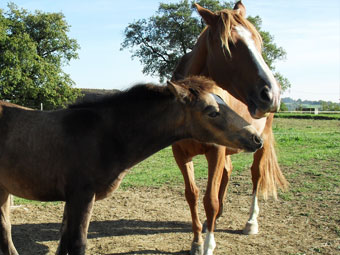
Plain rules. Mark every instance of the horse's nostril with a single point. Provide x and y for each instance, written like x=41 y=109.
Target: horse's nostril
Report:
x=257 y=140
x=265 y=94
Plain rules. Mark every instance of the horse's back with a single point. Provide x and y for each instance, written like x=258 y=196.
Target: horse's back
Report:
x=43 y=153
x=24 y=152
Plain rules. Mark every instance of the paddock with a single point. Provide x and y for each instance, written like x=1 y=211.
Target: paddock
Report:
x=137 y=219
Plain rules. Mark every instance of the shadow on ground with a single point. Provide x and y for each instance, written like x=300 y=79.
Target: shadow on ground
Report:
x=27 y=238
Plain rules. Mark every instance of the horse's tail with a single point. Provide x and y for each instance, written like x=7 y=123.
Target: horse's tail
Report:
x=269 y=173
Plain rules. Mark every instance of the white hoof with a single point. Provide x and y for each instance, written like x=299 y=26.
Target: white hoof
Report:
x=251 y=228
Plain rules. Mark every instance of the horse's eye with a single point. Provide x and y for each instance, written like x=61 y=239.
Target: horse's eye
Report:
x=213 y=114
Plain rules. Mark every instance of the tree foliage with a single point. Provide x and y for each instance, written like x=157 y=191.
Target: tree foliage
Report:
x=161 y=40
x=329 y=106
x=283 y=107
x=33 y=49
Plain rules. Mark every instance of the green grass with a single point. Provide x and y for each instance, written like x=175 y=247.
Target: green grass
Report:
x=299 y=142
x=303 y=140
x=161 y=169
x=21 y=201
x=310 y=149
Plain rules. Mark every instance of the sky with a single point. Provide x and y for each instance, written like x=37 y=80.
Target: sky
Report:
x=308 y=30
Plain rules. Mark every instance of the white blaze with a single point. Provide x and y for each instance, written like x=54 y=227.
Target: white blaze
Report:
x=264 y=72
x=217 y=99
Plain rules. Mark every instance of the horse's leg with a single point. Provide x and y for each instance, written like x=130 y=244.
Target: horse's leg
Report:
x=252 y=226
x=216 y=164
x=223 y=189
x=6 y=243
x=62 y=247
x=228 y=168
x=75 y=224
x=266 y=175
x=191 y=194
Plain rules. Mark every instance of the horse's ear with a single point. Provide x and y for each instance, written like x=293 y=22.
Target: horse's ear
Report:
x=209 y=17
x=179 y=92
x=240 y=8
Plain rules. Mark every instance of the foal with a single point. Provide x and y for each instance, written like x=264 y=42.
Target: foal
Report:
x=80 y=154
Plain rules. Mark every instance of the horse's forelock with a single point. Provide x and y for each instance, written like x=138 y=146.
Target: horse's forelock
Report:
x=200 y=84
x=230 y=19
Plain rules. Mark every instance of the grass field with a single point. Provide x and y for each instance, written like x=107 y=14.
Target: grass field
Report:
x=308 y=146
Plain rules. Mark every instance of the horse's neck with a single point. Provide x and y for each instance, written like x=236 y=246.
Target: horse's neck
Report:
x=148 y=127
x=194 y=62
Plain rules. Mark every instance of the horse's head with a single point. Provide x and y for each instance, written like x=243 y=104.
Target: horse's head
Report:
x=235 y=62
x=209 y=119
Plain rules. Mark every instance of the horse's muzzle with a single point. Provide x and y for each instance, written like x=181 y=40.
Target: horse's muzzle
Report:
x=258 y=141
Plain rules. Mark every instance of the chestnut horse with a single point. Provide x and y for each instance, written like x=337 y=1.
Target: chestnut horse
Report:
x=80 y=154
x=229 y=52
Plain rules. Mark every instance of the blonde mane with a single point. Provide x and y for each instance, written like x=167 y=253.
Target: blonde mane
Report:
x=228 y=20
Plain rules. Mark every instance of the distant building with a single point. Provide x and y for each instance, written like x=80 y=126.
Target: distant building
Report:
x=314 y=110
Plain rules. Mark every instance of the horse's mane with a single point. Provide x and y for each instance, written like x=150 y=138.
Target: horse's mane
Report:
x=138 y=92
x=228 y=20
x=149 y=92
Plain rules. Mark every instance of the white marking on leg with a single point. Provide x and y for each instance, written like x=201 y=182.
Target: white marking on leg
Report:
x=254 y=209
x=264 y=72
x=209 y=244
x=251 y=227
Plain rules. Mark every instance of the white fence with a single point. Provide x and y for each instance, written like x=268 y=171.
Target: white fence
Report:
x=316 y=111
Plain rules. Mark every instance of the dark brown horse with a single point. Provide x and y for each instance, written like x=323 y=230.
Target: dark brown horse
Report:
x=80 y=154
x=229 y=52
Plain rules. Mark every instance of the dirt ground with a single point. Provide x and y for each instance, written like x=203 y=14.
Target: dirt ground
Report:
x=157 y=221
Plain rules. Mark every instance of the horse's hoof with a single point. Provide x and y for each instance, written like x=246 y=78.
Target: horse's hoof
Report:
x=251 y=228
x=196 y=249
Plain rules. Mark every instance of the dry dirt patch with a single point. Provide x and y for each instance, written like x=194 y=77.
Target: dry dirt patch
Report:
x=157 y=221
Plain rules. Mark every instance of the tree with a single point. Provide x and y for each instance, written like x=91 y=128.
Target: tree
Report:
x=330 y=106
x=33 y=49
x=161 y=40
x=283 y=107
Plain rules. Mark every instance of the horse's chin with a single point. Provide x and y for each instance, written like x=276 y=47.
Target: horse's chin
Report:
x=256 y=113
x=258 y=110
x=259 y=114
